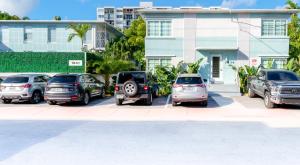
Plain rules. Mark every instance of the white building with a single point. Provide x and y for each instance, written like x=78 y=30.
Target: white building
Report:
x=123 y=17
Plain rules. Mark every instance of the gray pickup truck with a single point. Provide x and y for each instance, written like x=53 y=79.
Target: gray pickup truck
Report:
x=276 y=87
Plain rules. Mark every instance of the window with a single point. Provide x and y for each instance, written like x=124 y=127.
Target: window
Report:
x=51 y=34
x=152 y=63
x=159 y=28
x=27 y=34
x=274 y=27
x=119 y=16
x=273 y=63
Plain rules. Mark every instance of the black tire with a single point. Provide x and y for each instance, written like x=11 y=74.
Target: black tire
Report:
x=51 y=102
x=149 y=100
x=86 y=99
x=174 y=103
x=267 y=101
x=6 y=101
x=102 y=93
x=204 y=103
x=36 y=97
x=119 y=102
x=130 y=88
x=251 y=93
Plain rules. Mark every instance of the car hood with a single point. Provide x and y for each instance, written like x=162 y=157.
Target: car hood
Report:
x=286 y=83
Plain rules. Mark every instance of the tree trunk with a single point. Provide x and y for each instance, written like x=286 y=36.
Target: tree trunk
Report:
x=106 y=79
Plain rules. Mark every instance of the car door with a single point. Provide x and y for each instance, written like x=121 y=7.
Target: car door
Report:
x=98 y=87
x=39 y=83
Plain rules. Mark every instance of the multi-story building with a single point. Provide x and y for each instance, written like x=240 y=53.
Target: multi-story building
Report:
x=36 y=40
x=222 y=37
x=122 y=17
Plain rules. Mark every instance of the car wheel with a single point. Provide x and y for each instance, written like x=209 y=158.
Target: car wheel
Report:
x=51 y=102
x=130 y=88
x=204 y=103
x=119 y=101
x=174 y=103
x=36 y=97
x=86 y=99
x=267 y=100
x=251 y=93
x=102 y=93
x=149 y=100
x=6 y=101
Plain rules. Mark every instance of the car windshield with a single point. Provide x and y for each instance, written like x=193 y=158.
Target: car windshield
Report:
x=63 y=79
x=16 y=80
x=137 y=77
x=189 y=80
x=282 y=76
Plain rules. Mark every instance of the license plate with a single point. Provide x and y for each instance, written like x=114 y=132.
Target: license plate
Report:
x=58 y=89
x=189 y=89
x=120 y=96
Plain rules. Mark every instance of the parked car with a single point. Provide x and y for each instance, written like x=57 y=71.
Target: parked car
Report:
x=23 y=87
x=189 y=88
x=135 y=86
x=276 y=87
x=63 y=88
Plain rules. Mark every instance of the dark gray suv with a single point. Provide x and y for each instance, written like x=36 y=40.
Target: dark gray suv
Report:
x=65 y=88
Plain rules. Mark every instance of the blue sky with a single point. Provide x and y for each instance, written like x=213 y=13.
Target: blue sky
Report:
x=86 y=9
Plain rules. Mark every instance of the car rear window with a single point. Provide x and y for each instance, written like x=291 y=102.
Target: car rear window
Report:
x=282 y=76
x=16 y=80
x=189 y=80
x=63 y=79
x=137 y=77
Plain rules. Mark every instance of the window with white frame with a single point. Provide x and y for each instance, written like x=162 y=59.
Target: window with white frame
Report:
x=159 y=28
x=277 y=27
x=27 y=34
x=273 y=62
x=51 y=33
x=152 y=63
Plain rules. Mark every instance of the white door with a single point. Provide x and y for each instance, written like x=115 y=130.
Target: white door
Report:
x=216 y=68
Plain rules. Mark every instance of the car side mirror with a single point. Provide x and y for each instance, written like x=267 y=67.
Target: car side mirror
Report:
x=173 y=81
x=205 y=80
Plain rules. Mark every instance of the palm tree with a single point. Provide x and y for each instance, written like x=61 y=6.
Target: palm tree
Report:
x=80 y=31
x=57 y=18
x=109 y=65
x=291 y=5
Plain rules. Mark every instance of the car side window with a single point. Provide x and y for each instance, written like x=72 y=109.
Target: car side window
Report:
x=81 y=79
x=38 y=79
x=261 y=75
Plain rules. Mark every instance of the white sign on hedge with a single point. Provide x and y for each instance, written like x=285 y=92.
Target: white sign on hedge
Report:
x=75 y=62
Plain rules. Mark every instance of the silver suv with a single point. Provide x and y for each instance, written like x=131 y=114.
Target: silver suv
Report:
x=189 y=88
x=23 y=87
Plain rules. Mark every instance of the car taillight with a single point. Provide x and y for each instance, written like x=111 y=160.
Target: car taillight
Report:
x=76 y=84
x=177 y=86
x=117 y=88
x=201 y=85
x=146 y=87
x=27 y=86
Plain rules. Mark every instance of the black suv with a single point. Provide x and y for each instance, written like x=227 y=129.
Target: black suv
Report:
x=135 y=86
x=276 y=87
x=65 y=88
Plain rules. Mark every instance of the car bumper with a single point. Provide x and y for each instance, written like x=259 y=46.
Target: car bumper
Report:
x=286 y=99
x=15 y=96
x=135 y=98
x=183 y=98
x=63 y=98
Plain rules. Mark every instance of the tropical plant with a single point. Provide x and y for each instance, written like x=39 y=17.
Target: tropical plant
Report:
x=270 y=63
x=294 y=65
x=57 y=18
x=108 y=65
x=6 y=16
x=244 y=74
x=79 y=30
x=194 y=67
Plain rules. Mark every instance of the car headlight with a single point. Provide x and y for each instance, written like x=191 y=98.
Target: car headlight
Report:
x=274 y=90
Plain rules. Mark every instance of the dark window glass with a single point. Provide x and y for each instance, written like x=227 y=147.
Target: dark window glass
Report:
x=137 y=77
x=282 y=76
x=16 y=80
x=63 y=79
x=189 y=80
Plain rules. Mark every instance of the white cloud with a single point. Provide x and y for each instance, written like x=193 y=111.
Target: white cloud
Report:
x=17 y=7
x=83 y=1
x=236 y=3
